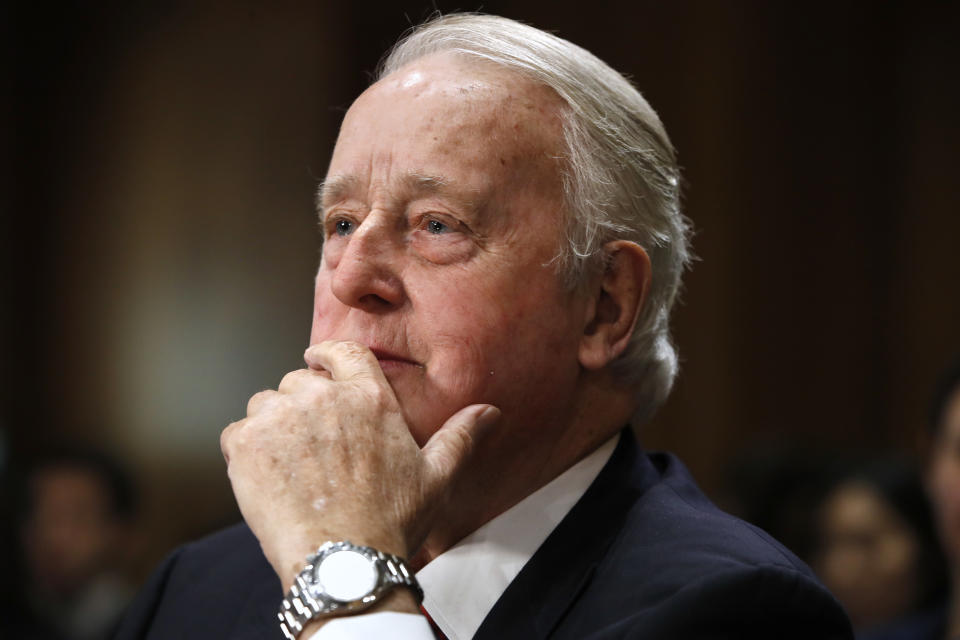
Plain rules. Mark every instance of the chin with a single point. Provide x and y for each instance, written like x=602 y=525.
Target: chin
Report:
x=422 y=422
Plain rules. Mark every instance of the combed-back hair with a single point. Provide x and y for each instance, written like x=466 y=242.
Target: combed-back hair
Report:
x=620 y=177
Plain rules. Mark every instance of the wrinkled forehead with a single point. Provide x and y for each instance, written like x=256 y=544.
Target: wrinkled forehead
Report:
x=466 y=74
x=490 y=132
x=469 y=97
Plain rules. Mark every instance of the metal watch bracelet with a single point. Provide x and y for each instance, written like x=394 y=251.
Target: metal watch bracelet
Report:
x=305 y=601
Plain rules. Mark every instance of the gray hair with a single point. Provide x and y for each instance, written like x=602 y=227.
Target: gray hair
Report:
x=620 y=177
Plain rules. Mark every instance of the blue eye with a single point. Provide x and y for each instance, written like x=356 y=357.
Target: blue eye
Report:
x=436 y=227
x=343 y=227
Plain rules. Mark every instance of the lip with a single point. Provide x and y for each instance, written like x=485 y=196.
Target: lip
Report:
x=385 y=356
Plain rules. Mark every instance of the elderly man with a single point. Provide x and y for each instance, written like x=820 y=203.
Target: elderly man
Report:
x=502 y=247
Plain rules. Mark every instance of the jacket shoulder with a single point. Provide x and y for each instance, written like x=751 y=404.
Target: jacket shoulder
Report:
x=219 y=586
x=681 y=567
x=674 y=527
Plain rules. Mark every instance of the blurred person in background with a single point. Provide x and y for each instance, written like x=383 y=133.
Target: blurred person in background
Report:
x=943 y=483
x=940 y=620
x=78 y=507
x=877 y=550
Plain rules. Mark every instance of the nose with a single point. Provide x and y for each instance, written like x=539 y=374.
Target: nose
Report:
x=367 y=275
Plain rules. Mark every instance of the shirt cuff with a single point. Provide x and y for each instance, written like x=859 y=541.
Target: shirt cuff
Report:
x=385 y=624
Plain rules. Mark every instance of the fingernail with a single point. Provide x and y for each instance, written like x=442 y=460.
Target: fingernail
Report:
x=488 y=417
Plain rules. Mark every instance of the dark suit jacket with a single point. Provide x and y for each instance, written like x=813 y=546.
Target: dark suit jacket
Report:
x=642 y=555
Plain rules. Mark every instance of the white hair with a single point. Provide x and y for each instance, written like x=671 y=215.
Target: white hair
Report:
x=620 y=177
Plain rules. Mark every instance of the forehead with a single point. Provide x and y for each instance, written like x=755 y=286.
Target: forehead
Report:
x=445 y=114
x=469 y=92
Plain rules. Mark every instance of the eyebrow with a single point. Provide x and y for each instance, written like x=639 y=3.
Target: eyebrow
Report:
x=335 y=188
x=420 y=182
x=413 y=183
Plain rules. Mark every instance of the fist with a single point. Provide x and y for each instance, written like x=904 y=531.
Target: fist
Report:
x=328 y=456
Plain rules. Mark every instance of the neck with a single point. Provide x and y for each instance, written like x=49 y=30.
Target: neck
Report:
x=524 y=459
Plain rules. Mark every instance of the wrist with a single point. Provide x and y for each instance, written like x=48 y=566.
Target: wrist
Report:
x=295 y=552
x=342 y=578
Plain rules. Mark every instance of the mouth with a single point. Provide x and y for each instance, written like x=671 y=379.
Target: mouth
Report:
x=391 y=360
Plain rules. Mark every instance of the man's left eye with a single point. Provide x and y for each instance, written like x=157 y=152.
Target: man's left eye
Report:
x=437 y=227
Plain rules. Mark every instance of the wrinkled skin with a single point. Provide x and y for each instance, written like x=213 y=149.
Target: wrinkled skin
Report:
x=298 y=479
x=454 y=282
x=446 y=355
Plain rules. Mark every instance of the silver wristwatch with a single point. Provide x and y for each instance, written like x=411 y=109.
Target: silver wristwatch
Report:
x=342 y=578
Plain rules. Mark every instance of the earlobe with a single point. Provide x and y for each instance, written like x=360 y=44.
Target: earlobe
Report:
x=616 y=304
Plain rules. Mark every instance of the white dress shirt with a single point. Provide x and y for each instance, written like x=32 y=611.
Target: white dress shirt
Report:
x=462 y=584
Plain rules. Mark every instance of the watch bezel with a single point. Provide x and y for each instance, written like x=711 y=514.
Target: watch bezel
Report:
x=332 y=604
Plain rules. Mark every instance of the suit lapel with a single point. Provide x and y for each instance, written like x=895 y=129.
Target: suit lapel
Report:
x=562 y=567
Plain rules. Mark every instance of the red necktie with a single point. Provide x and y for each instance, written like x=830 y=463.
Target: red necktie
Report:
x=439 y=635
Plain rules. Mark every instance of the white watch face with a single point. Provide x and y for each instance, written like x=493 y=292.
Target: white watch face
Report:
x=346 y=575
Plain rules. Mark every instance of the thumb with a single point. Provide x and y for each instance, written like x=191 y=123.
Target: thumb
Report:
x=455 y=441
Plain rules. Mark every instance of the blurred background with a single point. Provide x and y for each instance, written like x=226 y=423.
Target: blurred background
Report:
x=160 y=236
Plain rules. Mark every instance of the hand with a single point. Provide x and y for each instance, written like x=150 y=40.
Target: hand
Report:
x=328 y=456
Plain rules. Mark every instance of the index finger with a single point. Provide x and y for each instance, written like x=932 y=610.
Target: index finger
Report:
x=345 y=361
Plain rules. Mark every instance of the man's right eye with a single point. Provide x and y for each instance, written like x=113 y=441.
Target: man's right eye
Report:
x=343 y=227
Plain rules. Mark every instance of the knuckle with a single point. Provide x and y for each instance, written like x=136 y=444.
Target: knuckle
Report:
x=290 y=379
x=258 y=399
x=353 y=349
x=365 y=393
x=225 y=441
x=332 y=346
x=322 y=394
x=376 y=395
x=228 y=437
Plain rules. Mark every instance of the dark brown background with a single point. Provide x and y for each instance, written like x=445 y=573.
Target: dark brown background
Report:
x=160 y=240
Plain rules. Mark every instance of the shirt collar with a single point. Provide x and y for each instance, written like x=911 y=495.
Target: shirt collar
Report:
x=462 y=584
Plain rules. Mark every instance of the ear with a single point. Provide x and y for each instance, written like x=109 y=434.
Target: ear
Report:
x=612 y=313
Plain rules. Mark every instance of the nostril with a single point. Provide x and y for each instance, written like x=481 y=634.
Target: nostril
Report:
x=373 y=302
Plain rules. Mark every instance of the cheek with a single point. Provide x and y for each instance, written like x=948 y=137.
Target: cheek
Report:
x=490 y=347
x=465 y=344
x=327 y=311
